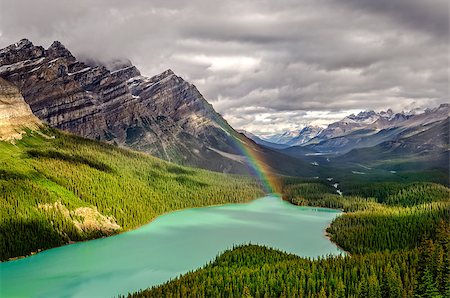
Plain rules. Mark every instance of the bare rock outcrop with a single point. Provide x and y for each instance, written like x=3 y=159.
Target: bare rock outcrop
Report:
x=15 y=114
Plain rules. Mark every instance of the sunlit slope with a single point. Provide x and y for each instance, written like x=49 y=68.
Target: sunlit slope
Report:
x=56 y=188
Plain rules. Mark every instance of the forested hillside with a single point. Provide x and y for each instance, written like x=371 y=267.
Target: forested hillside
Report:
x=56 y=188
x=397 y=243
x=396 y=217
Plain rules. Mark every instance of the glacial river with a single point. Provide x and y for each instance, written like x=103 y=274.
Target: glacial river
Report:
x=169 y=246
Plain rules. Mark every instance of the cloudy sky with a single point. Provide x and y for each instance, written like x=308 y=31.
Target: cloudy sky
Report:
x=266 y=66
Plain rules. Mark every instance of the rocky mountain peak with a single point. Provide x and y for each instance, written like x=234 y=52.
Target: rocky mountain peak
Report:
x=24 y=50
x=310 y=128
x=57 y=50
x=361 y=116
x=366 y=113
x=23 y=43
x=57 y=45
x=126 y=73
x=164 y=76
x=295 y=137
x=167 y=72
x=386 y=114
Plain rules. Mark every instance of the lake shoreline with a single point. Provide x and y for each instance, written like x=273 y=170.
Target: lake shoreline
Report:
x=178 y=210
x=180 y=242
x=127 y=230
x=326 y=234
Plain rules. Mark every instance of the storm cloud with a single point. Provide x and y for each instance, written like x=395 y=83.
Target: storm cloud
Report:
x=266 y=66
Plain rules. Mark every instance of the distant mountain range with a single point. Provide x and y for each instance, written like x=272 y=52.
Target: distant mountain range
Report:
x=365 y=129
x=425 y=146
x=415 y=140
x=370 y=128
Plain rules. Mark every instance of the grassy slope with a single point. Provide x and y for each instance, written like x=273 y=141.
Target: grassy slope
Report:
x=56 y=188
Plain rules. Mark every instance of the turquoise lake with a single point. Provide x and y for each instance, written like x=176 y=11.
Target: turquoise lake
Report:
x=171 y=245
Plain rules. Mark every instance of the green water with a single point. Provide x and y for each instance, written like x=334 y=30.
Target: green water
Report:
x=169 y=246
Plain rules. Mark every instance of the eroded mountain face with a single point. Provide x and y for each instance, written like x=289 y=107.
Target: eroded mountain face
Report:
x=162 y=115
x=15 y=114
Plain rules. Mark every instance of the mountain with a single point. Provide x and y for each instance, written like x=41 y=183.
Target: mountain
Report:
x=15 y=114
x=305 y=135
x=262 y=142
x=58 y=188
x=282 y=138
x=365 y=129
x=415 y=148
x=366 y=120
x=295 y=137
x=368 y=129
x=162 y=115
x=382 y=144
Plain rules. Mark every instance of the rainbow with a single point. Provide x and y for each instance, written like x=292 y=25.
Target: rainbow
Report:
x=257 y=166
x=254 y=160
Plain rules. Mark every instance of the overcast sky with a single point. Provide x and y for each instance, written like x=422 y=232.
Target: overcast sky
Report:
x=266 y=66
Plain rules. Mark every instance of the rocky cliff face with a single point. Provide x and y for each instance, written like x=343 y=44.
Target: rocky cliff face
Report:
x=163 y=115
x=15 y=114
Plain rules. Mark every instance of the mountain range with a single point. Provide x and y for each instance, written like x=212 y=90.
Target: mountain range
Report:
x=406 y=141
x=363 y=130
x=166 y=116
x=163 y=115
x=368 y=129
x=261 y=141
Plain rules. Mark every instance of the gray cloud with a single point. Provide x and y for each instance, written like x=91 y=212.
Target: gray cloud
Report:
x=265 y=65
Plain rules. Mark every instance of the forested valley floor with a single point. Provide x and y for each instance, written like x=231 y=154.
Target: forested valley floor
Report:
x=397 y=237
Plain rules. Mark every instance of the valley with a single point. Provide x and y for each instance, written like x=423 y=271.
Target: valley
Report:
x=172 y=244
x=175 y=202
x=398 y=247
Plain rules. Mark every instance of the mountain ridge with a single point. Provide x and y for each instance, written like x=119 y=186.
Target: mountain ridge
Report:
x=162 y=115
x=373 y=128
x=363 y=125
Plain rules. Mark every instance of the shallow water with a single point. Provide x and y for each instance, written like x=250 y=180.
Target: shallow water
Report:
x=165 y=248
